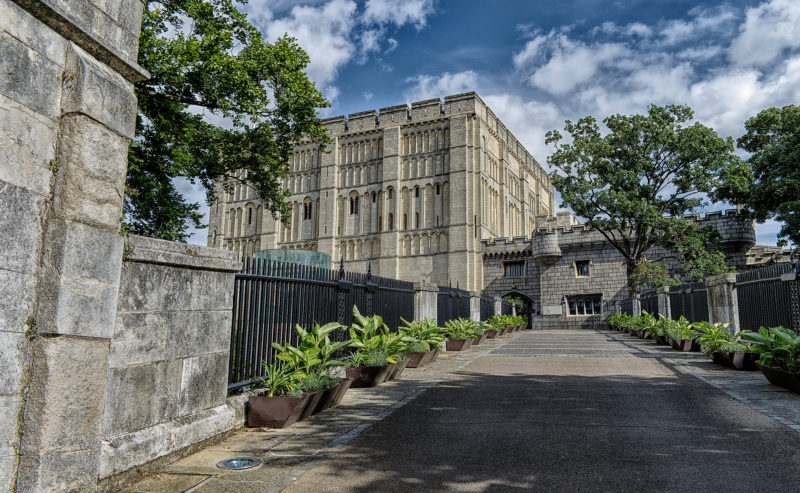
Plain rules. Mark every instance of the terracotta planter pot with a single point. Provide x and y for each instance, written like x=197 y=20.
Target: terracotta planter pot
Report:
x=313 y=401
x=367 y=376
x=491 y=334
x=398 y=369
x=781 y=378
x=479 y=340
x=684 y=345
x=333 y=396
x=275 y=412
x=458 y=345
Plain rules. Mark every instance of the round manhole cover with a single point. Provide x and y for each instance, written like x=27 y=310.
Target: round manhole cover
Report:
x=238 y=463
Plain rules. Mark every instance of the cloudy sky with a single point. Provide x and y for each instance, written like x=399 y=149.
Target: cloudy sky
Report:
x=537 y=63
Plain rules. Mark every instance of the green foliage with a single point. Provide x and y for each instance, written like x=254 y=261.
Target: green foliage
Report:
x=279 y=380
x=651 y=275
x=506 y=321
x=773 y=138
x=712 y=336
x=681 y=330
x=422 y=335
x=317 y=382
x=779 y=347
x=460 y=329
x=207 y=62
x=633 y=184
x=735 y=347
x=373 y=343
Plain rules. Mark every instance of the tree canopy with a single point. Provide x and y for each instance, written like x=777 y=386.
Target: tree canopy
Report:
x=773 y=138
x=634 y=183
x=222 y=106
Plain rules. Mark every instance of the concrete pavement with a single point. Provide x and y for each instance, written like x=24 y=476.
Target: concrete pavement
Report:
x=549 y=411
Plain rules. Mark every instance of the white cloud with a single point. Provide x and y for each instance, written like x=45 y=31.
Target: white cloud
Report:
x=413 y=12
x=430 y=86
x=767 y=31
x=324 y=32
x=392 y=45
x=702 y=23
x=367 y=95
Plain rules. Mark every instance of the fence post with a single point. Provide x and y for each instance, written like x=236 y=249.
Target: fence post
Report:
x=723 y=305
x=664 y=307
x=371 y=287
x=343 y=287
x=475 y=305
x=636 y=306
x=426 y=297
x=498 y=305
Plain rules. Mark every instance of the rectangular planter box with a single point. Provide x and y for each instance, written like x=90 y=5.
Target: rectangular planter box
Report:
x=479 y=340
x=333 y=396
x=398 y=369
x=458 y=345
x=368 y=376
x=275 y=412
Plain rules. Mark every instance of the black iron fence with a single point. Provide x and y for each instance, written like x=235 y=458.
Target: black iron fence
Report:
x=689 y=300
x=649 y=302
x=487 y=307
x=768 y=297
x=270 y=298
x=451 y=303
x=507 y=308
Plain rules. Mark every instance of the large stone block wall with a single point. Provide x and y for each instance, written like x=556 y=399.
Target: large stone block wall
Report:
x=550 y=274
x=167 y=367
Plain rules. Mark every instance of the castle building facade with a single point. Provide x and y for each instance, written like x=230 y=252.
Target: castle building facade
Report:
x=413 y=191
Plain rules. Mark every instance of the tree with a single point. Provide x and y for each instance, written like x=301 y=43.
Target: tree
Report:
x=208 y=63
x=634 y=184
x=773 y=138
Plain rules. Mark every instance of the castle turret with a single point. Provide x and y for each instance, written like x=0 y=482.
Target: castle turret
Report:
x=545 y=247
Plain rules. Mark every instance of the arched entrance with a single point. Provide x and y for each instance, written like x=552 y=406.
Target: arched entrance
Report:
x=523 y=303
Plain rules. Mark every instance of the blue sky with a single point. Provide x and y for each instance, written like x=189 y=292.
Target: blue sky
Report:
x=538 y=63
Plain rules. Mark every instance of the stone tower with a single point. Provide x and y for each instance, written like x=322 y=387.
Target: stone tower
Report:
x=411 y=190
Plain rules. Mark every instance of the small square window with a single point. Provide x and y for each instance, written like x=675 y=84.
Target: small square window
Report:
x=582 y=268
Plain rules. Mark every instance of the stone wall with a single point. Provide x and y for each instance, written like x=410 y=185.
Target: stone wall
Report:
x=167 y=367
x=550 y=258
x=67 y=114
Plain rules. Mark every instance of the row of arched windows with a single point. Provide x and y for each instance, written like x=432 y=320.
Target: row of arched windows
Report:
x=302 y=182
x=424 y=244
x=425 y=166
x=353 y=176
x=243 y=221
x=426 y=141
x=243 y=248
x=362 y=150
x=304 y=160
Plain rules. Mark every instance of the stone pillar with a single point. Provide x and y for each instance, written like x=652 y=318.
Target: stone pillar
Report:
x=498 y=305
x=67 y=116
x=475 y=305
x=723 y=304
x=664 y=307
x=636 y=306
x=426 y=296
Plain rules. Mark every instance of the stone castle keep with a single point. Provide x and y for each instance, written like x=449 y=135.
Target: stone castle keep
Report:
x=413 y=191
x=443 y=192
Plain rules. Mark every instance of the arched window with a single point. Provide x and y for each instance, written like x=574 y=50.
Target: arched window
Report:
x=438 y=189
x=405 y=221
x=416 y=219
x=249 y=215
x=391 y=192
x=416 y=191
x=374 y=197
x=391 y=222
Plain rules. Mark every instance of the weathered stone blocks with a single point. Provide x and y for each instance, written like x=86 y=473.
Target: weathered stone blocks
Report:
x=29 y=78
x=91 y=178
x=78 y=290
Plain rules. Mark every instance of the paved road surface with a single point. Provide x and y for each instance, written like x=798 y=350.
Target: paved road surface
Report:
x=567 y=411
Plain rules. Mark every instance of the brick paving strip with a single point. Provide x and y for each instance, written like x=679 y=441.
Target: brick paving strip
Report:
x=289 y=453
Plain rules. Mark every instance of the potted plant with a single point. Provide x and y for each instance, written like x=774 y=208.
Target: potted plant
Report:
x=311 y=363
x=478 y=333
x=658 y=331
x=459 y=334
x=424 y=341
x=371 y=362
x=682 y=337
x=780 y=355
x=281 y=404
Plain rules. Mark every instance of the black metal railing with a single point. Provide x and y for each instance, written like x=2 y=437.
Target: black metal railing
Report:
x=487 y=307
x=507 y=308
x=649 y=302
x=768 y=297
x=627 y=306
x=689 y=300
x=451 y=303
x=270 y=298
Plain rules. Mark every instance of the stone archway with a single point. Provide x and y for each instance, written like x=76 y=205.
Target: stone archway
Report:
x=527 y=307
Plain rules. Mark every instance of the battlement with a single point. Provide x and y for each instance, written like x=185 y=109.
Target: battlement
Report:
x=518 y=246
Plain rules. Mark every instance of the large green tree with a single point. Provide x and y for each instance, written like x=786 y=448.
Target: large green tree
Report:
x=633 y=184
x=221 y=106
x=773 y=138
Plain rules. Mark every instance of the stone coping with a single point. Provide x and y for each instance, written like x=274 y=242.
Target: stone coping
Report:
x=154 y=251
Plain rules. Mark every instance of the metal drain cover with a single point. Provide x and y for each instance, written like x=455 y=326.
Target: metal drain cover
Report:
x=239 y=463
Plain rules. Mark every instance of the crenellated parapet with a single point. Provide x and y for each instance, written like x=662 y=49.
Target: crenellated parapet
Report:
x=735 y=229
x=519 y=247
